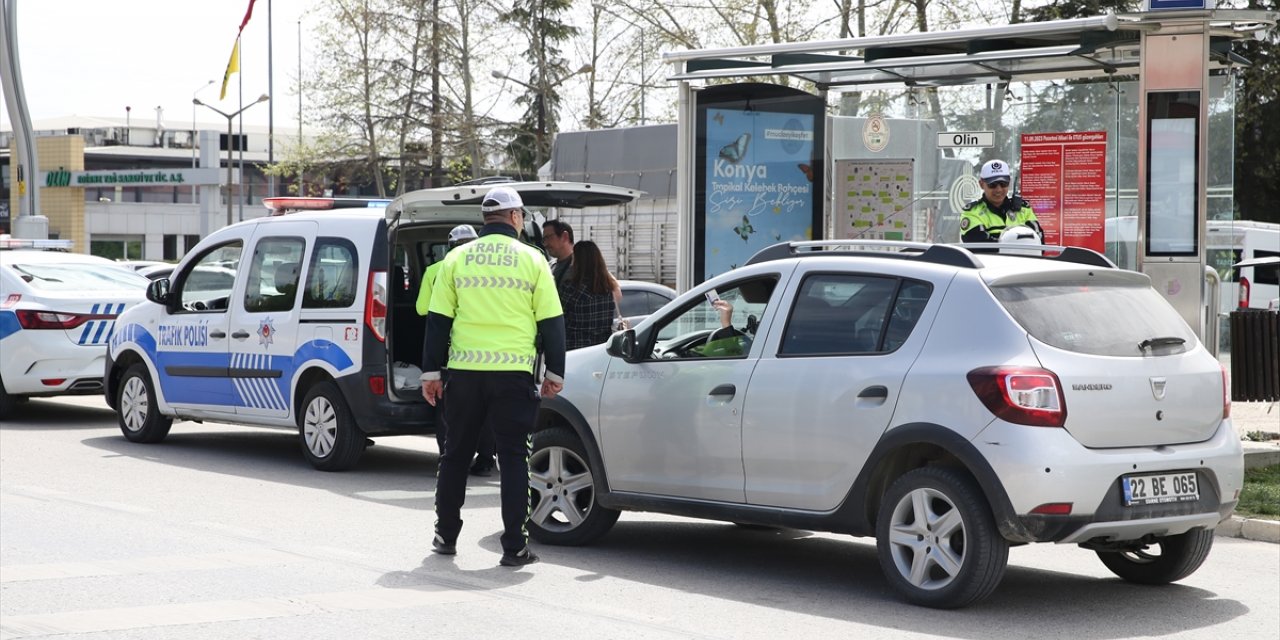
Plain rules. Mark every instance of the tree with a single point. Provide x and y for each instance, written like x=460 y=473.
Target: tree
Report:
x=540 y=23
x=1257 y=161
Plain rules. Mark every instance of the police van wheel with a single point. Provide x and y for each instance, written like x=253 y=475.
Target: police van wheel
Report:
x=136 y=408
x=328 y=433
x=563 y=505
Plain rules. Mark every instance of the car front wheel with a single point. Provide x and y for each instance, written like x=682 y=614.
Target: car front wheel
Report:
x=330 y=439
x=937 y=540
x=1166 y=560
x=564 y=509
x=136 y=409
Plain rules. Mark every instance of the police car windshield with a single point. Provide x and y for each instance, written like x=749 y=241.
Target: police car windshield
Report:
x=78 y=277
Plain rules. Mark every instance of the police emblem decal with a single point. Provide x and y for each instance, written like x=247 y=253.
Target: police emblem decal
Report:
x=266 y=331
x=964 y=224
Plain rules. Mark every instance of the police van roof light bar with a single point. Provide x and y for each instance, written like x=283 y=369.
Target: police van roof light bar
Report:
x=279 y=206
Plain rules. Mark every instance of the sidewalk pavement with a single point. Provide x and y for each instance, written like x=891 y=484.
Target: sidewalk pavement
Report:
x=1251 y=417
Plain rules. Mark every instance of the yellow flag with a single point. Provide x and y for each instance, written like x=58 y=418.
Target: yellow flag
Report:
x=233 y=66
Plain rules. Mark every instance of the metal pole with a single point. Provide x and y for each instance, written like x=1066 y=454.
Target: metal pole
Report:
x=300 y=193
x=240 y=140
x=230 y=162
x=271 y=109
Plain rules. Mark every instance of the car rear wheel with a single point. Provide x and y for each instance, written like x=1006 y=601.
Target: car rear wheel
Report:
x=136 y=409
x=937 y=540
x=330 y=439
x=1166 y=560
x=562 y=491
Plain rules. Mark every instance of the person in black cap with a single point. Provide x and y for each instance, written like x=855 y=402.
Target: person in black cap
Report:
x=984 y=220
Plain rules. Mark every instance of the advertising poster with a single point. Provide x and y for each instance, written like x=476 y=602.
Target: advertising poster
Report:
x=759 y=183
x=873 y=199
x=1063 y=176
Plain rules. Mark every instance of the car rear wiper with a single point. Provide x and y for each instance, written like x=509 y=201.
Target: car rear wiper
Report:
x=1160 y=342
x=28 y=276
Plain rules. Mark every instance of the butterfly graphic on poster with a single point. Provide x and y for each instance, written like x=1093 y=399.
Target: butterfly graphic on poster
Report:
x=807 y=170
x=745 y=229
x=719 y=118
x=737 y=150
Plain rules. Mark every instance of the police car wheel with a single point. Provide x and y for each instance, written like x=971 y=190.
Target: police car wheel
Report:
x=937 y=540
x=137 y=411
x=563 y=506
x=7 y=401
x=330 y=439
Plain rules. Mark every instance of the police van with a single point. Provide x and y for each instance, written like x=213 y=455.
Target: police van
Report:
x=315 y=330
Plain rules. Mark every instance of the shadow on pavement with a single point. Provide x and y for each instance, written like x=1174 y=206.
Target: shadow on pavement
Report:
x=46 y=415
x=841 y=579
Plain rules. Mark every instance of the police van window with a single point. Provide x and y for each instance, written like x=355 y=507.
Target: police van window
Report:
x=331 y=278
x=207 y=284
x=272 y=285
x=842 y=314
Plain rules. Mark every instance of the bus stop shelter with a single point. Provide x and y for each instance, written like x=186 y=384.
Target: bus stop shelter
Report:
x=1111 y=122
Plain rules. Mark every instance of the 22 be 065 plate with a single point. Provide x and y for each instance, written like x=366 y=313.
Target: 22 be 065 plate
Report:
x=1158 y=488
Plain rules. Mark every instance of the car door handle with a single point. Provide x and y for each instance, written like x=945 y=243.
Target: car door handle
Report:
x=877 y=392
x=217 y=333
x=240 y=335
x=724 y=390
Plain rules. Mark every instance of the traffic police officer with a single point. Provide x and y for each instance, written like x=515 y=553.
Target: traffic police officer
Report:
x=984 y=220
x=492 y=299
x=458 y=236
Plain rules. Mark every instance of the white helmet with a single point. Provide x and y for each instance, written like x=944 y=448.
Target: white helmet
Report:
x=1020 y=234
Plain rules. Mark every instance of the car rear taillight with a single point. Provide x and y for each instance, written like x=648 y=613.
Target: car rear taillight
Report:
x=32 y=319
x=1021 y=395
x=1053 y=509
x=375 y=305
x=1243 y=302
x=1226 y=392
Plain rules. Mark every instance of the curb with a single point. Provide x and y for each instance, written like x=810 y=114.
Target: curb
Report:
x=1260 y=456
x=1250 y=529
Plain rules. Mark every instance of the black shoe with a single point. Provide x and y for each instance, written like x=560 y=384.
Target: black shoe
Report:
x=444 y=548
x=483 y=468
x=523 y=557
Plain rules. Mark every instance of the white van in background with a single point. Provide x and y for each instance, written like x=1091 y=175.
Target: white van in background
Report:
x=1230 y=242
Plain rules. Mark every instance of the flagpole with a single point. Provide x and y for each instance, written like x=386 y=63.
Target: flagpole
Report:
x=271 y=109
x=241 y=141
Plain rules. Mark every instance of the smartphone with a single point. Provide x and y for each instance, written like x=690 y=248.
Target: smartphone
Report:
x=712 y=297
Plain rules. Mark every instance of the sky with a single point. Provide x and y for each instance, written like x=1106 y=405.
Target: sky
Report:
x=95 y=57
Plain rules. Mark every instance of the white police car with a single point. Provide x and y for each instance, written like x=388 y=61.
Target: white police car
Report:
x=316 y=329
x=57 y=311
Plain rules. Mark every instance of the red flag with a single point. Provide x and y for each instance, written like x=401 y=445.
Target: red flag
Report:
x=247 y=14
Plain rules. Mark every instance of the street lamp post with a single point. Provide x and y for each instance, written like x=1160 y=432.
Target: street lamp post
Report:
x=230 y=133
x=540 y=93
x=193 y=130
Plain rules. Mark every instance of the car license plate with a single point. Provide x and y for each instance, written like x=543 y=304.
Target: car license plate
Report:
x=1160 y=488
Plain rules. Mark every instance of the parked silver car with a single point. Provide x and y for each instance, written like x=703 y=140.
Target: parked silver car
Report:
x=948 y=403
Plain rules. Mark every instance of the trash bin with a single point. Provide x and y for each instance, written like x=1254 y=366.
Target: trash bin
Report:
x=1255 y=355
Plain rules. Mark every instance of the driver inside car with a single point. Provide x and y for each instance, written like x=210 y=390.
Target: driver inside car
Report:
x=727 y=341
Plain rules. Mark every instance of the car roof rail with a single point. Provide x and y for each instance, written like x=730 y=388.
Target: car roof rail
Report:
x=1078 y=255
x=944 y=254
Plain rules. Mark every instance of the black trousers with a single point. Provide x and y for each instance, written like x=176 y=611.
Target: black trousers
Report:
x=506 y=403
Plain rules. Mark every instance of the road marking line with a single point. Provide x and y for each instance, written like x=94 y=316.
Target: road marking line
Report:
x=119 y=619
x=139 y=566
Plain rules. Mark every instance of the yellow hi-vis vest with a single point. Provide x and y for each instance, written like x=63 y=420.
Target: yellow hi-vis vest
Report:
x=496 y=289
x=429 y=277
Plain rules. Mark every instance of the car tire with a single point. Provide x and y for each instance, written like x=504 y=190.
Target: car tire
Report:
x=1179 y=556
x=7 y=402
x=562 y=491
x=136 y=409
x=937 y=540
x=327 y=431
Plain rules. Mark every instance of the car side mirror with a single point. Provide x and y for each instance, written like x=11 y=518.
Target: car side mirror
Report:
x=623 y=345
x=158 y=291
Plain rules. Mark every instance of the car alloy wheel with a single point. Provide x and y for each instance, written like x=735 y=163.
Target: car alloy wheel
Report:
x=134 y=404
x=564 y=488
x=320 y=427
x=927 y=537
x=562 y=491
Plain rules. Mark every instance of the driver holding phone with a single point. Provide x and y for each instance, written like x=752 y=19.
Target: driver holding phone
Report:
x=725 y=342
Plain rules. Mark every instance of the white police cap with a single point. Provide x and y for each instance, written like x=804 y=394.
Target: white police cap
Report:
x=995 y=170
x=501 y=199
x=462 y=232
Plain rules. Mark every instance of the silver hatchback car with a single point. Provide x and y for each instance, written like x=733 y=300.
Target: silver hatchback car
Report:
x=948 y=402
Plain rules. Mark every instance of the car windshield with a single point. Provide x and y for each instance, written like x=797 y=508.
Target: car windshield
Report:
x=1098 y=320
x=81 y=276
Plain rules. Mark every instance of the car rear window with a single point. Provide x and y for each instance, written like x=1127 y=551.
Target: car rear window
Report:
x=78 y=276
x=1104 y=320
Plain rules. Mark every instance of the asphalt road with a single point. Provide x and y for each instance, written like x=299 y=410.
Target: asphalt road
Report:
x=225 y=532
